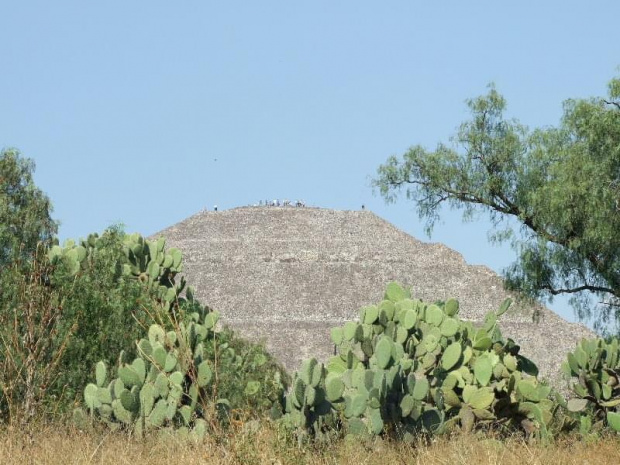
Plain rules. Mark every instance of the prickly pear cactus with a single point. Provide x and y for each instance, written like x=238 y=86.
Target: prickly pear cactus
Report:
x=72 y=255
x=308 y=407
x=166 y=385
x=407 y=366
x=173 y=369
x=593 y=370
x=145 y=260
x=150 y=263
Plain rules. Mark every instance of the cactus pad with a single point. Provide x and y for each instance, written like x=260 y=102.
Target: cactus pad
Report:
x=204 y=374
x=101 y=373
x=451 y=356
x=483 y=370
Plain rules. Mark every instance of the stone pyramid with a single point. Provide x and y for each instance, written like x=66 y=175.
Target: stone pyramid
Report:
x=287 y=275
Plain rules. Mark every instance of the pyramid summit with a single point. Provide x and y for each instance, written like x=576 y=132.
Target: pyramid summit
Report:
x=288 y=275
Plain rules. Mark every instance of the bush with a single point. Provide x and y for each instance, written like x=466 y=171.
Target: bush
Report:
x=185 y=375
x=56 y=322
x=34 y=335
x=251 y=379
x=593 y=369
x=408 y=367
x=188 y=380
x=109 y=310
x=90 y=301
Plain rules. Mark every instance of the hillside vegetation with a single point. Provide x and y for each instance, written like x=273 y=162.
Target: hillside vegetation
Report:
x=106 y=352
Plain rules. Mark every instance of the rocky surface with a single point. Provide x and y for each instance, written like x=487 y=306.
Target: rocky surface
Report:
x=287 y=275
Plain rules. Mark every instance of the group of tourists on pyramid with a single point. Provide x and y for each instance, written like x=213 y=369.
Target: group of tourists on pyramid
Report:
x=280 y=203
x=276 y=203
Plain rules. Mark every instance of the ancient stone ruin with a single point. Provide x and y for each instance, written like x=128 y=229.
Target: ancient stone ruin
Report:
x=287 y=275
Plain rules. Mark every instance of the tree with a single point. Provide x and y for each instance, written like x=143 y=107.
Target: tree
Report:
x=24 y=209
x=560 y=184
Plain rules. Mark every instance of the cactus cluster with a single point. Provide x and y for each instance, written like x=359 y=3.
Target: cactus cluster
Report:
x=593 y=369
x=145 y=260
x=167 y=384
x=307 y=406
x=155 y=267
x=71 y=254
x=404 y=367
x=407 y=366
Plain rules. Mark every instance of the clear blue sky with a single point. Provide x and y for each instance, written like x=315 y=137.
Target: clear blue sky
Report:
x=147 y=112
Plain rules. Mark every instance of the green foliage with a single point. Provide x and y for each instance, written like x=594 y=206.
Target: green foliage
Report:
x=594 y=370
x=24 y=210
x=167 y=384
x=250 y=378
x=308 y=407
x=186 y=372
x=65 y=310
x=407 y=374
x=87 y=301
x=33 y=337
x=561 y=184
x=106 y=309
x=179 y=378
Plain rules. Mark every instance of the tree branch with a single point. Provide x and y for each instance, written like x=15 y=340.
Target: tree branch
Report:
x=585 y=287
x=509 y=208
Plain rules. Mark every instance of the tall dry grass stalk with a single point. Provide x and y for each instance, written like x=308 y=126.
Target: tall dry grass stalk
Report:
x=33 y=339
x=64 y=445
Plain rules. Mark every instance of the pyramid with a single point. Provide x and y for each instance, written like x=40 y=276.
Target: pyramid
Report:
x=287 y=275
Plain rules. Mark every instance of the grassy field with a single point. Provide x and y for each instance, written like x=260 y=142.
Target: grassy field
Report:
x=58 y=444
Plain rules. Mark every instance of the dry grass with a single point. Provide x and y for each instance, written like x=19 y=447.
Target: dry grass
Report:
x=61 y=445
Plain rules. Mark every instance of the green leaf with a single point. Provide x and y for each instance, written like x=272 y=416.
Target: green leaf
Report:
x=101 y=373
x=613 y=420
x=337 y=335
x=434 y=315
x=334 y=388
x=409 y=319
x=449 y=327
x=577 y=405
x=204 y=374
x=451 y=356
x=251 y=388
x=420 y=389
x=528 y=390
x=483 y=370
x=394 y=292
x=504 y=307
x=90 y=396
x=371 y=315
x=452 y=307
x=383 y=352
x=482 y=398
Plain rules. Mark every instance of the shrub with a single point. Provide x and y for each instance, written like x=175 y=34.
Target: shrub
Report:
x=57 y=320
x=593 y=369
x=109 y=310
x=250 y=378
x=34 y=336
x=187 y=379
x=186 y=371
x=407 y=367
